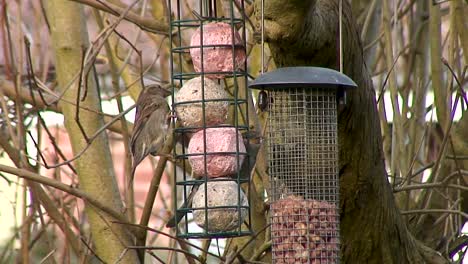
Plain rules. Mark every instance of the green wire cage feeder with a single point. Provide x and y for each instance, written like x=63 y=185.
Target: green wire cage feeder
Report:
x=302 y=146
x=211 y=112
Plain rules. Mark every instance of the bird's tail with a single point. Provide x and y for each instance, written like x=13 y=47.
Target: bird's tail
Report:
x=187 y=204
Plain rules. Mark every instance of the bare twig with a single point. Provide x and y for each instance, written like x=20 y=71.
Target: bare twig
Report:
x=54 y=144
x=153 y=190
x=186 y=253
x=9 y=90
x=63 y=187
x=429 y=186
x=431 y=211
x=93 y=137
x=78 y=96
x=435 y=172
x=31 y=75
x=148 y=24
x=115 y=84
x=251 y=239
x=181 y=241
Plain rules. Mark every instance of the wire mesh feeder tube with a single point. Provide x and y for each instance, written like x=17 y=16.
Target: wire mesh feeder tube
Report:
x=302 y=154
x=302 y=146
x=211 y=109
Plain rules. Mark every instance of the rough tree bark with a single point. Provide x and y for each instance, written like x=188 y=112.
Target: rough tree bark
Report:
x=373 y=230
x=94 y=167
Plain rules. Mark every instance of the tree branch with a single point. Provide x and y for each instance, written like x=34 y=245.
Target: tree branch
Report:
x=428 y=186
x=430 y=211
x=31 y=97
x=63 y=187
x=148 y=24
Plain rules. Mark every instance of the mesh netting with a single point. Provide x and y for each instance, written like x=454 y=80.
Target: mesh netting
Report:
x=303 y=168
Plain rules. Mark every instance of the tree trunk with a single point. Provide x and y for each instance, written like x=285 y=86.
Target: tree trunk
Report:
x=94 y=167
x=372 y=228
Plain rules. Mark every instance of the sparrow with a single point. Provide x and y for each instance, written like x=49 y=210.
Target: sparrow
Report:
x=152 y=124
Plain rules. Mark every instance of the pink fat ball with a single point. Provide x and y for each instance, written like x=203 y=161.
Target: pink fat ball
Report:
x=222 y=139
x=219 y=58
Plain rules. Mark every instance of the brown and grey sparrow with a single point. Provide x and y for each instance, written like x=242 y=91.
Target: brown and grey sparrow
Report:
x=152 y=124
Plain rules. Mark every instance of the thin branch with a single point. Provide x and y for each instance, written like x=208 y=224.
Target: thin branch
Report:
x=181 y=241
x=9 y=91
x=422 y=169
x=31 y=74
x=52 y=211
x=156 y=257
x=252 y=238
x=90 y=248
x=186 y=253
x=429 y=186
x=431 y=211
x=457 y=245
x=153 y=190
x=148 y=24
x=263 y=248
x=63 y=187
x=53 y=142
x=435 y=172
x=115 y=85
x=460 y=85
x=458 y=157
x=93 y=137
x=78 y=95
x=87 y=62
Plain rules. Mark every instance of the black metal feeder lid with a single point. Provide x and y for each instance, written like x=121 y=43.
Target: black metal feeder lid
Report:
x=294 y=77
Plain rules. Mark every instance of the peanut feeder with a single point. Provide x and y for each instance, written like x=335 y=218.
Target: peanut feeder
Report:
x=302 y=146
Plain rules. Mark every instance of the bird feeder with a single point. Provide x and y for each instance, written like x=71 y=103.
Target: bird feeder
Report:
x=302 y=147
x=208 y=63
